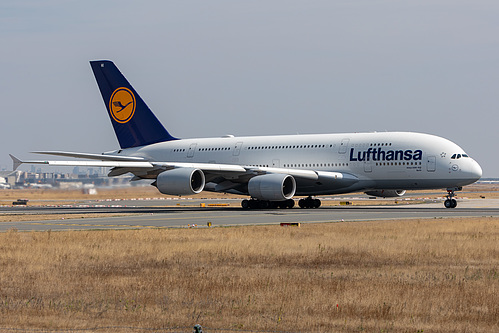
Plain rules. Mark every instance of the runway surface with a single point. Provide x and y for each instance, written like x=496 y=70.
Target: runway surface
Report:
x=147 y=215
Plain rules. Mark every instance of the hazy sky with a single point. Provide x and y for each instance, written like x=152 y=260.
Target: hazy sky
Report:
x=210 y=68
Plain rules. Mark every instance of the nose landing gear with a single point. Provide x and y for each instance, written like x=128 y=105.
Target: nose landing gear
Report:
x=451 y=202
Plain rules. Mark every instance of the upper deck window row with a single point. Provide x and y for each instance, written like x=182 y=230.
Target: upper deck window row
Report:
x=287 y=147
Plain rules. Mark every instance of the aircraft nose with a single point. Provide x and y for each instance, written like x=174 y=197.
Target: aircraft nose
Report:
x=475 y=171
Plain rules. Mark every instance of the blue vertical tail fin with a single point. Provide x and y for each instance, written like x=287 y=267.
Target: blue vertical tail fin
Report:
x=133 y=122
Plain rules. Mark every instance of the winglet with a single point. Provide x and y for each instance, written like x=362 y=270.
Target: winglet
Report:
x=15 y=162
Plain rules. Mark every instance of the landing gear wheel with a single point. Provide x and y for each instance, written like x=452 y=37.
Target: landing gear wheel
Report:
x=317 y=203
x=253 y=204
x=309 y=203
x=451 y=202
x=265 y=204
x=245 y=204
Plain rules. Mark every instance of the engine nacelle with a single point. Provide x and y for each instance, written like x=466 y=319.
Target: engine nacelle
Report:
x=386 y=193
x=273 y=187
x=181 y=181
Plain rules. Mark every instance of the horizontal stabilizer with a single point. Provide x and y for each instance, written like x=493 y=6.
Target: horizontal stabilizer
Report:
x=15 y=162
x=96 y=164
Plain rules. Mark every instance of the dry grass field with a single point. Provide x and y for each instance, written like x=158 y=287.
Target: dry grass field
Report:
x=437 y=275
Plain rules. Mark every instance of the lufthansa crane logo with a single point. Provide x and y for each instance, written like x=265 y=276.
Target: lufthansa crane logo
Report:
x=122 y=105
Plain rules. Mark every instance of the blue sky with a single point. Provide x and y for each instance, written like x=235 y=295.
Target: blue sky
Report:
x=210 y=68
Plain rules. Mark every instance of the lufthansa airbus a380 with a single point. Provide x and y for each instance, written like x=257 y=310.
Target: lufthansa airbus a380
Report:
x=271 y=170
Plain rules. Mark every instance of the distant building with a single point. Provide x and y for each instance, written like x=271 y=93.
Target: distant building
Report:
x=6 y=178
x=94 y=177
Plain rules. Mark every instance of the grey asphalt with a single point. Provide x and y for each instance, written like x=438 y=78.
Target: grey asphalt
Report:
x=189 y=214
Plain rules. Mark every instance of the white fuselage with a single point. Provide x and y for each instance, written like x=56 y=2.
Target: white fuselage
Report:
x=390 y=160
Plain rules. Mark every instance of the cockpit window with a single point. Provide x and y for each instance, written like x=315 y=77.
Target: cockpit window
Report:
x=458 y=156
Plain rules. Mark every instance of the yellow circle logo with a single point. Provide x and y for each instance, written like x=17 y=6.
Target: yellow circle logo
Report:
x=122 y=105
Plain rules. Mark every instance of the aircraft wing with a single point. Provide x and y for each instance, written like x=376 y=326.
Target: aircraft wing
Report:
x=226 y=176
x=126 y=163
x=132 y=163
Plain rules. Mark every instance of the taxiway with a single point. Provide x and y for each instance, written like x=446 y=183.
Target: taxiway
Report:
x=147 y=215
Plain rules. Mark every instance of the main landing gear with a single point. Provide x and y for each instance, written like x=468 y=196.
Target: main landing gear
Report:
x=451 y=202
x=264 y=204
x=290 y=203
x=309 y=203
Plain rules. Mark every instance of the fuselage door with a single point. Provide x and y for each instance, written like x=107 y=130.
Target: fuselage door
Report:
x=431 y=163
x=344 y=146
x=192 y=149
x=237 y=149
x=368 y=166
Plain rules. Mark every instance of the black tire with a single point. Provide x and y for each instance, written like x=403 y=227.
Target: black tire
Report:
x=263 y=204
x=301 y=203
x=253 y=204
x=453 y=203
x=448 y=203
x=316 y=203
x=245 y=204
x=309 y=203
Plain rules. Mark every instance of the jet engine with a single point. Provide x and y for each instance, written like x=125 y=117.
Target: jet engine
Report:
x=272 y=187
x=386 y=193
x=181 y=181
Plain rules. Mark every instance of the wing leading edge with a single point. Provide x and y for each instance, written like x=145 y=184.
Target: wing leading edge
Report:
x=139 y=166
